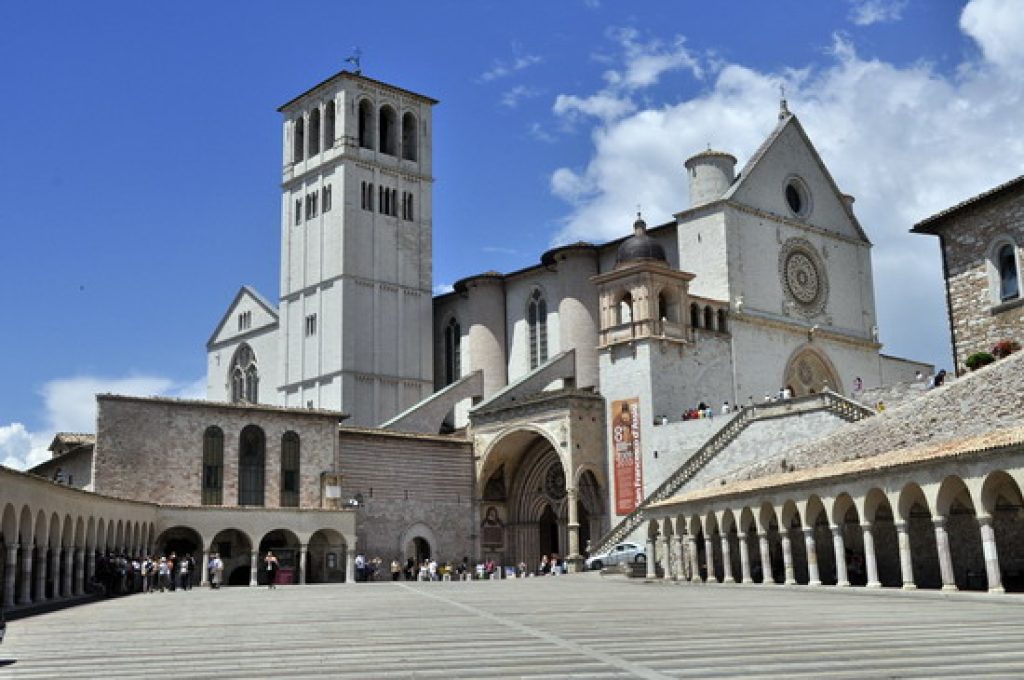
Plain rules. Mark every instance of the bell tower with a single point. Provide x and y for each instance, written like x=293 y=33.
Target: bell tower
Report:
x=356 y=287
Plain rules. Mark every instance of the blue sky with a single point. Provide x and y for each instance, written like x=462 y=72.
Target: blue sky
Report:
x=141 y=153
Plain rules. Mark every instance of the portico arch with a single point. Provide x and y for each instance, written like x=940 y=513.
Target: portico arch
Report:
x=285 y=546
x=1002 y=501
x=809 y=370
x=328 y=555
x=417 y=542
x=235 y=550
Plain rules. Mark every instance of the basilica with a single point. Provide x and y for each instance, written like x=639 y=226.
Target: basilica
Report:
x=553 y=409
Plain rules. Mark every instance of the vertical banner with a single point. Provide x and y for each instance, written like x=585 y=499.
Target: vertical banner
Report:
x=629 y=471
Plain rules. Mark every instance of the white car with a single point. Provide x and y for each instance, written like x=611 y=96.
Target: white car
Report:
x=619 y=554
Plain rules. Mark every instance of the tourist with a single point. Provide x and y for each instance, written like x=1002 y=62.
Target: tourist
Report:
x=396 y=569
x=726 y=408
x=164 y=574
x=218 y=571
x=545 y=566
x=940 y=377
x=410 y=567
x=272 y=567
x=360 y=567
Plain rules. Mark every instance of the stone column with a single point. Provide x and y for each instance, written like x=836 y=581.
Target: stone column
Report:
x=666 y=557
x=942 y=548
x=727 y=560
x=709 y=559
x=906 y=563
x=839 y=549
x=303 y=553
x=652 y=565
x=55 y=573
x=988 y=547
x=870 y=564
x=40 y=574
x=574 y=558
x=90 y=565
x=253 y=561
x=766 y=558
x=79 y=571
x=26 y=574
x=10 y=574
x=350 y=566
x=811 y=547
x=680 y=560
x=745 y=559
x=787 y=558
x=69 y=569
x=204 y=568
x=694 y=559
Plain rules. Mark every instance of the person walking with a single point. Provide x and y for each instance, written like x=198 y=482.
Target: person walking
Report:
x=218 y=571
x=272 y=565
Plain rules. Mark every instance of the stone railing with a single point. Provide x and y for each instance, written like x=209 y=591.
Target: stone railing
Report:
x=844 y=408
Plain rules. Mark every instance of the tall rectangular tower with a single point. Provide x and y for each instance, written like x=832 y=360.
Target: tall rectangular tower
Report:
x=356 y=291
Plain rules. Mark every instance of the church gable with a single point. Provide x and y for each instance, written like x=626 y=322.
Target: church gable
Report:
x=248 y=312
x=787 y=177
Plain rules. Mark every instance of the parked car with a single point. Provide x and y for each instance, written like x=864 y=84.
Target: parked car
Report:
x=619 y=554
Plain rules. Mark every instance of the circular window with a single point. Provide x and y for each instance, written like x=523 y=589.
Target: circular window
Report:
x=803 y=278
x=554 y=482
x=797 y=197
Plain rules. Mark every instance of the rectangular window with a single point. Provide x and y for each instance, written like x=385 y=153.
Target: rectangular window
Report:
x=327 y=198
x=298 y=211
x=314 y=202
x=310 y=325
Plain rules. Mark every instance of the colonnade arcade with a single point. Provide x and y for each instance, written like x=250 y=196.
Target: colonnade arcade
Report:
x=948 y=524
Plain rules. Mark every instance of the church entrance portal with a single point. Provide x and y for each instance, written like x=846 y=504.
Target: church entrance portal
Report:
x=810 y=371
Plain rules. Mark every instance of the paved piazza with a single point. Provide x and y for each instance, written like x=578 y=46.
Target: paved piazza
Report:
x=579 y=626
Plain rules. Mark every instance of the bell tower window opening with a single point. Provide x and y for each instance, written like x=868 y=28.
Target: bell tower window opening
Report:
x=314 y=132
x=299 y=139
x=290 y=470
x=329 y=124
x=409 y=137
x=452 y=352
x=366 y=124
x=537 y=320
x=625 y=309
x=387 y=130
x=244 y=375
x=709 y=318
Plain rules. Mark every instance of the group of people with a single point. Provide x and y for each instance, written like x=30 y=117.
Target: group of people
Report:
x=702 y=410
x=121 y=575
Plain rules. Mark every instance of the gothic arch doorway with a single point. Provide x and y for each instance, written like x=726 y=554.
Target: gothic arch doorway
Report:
x=810 y=371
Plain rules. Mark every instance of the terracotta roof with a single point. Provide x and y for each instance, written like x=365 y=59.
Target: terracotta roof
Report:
x=930 y=224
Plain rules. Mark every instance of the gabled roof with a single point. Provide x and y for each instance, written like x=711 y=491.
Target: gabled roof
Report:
x=790 y=120
x=349 y=75
x=242 y=292
x=929 y=225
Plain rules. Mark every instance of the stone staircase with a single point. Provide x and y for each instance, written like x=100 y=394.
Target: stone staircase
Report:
x=844 y=408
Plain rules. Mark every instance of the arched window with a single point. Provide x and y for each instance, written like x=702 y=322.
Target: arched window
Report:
x=626 y=309
x=722 y=326
x=314 y=132
x=452 y=352
x=298 y=139
x=409 y=137
x=694 y=315
x=244 y=375
x=251 y=458
x=388 y=130
x=213 y=466
x=366 y=124
x=290 y=470
x=709 y=318
x=1009 y=277
x=537 y=320
x=329 y=118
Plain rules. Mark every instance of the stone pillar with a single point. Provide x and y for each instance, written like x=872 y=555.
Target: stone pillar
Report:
x=727 y=560
x=253 y=561
x=652 y=564
x=870 y=564
x=666 y=556
x=90 y=565
x=69 y=570
x=679 y=574
x=574 y=558
x=766 y=558
x=204 y=568
x=303 y=553
x=787 y=558
x=79 y=571
x=26 y=574
x=709 y=559
x=745 y=559
x=839 y=549
x=942 y=548
x=41 y=567
x=988 y=546
x=906 y=563
x=350 y=566
x=55 y=573
x=10 y=574
x=694 y=559
x=811 y=547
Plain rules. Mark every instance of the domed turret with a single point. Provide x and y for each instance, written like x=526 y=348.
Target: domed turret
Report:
x=711 y=175
x=640 y=246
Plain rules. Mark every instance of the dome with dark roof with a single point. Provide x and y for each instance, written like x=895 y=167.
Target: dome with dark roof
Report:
x=640 y=246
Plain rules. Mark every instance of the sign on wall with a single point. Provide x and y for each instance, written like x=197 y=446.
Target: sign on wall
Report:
x=629 y=471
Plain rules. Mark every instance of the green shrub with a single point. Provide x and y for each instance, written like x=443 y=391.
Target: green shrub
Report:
x=979 y=359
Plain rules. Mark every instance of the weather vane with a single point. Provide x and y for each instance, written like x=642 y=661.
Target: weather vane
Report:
x=354 y=60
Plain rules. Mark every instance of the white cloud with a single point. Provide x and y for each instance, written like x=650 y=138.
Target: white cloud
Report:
x=907 y=141
x=867 y=12
x=69 y=405
x=502 y=69
x=443 y=288
x=511 y=98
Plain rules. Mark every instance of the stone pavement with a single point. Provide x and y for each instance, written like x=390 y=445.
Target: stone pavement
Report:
x=577 y=626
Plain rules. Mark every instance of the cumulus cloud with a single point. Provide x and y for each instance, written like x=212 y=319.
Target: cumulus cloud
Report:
x=867 y=12
x=907 y=141
x=69 y=405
